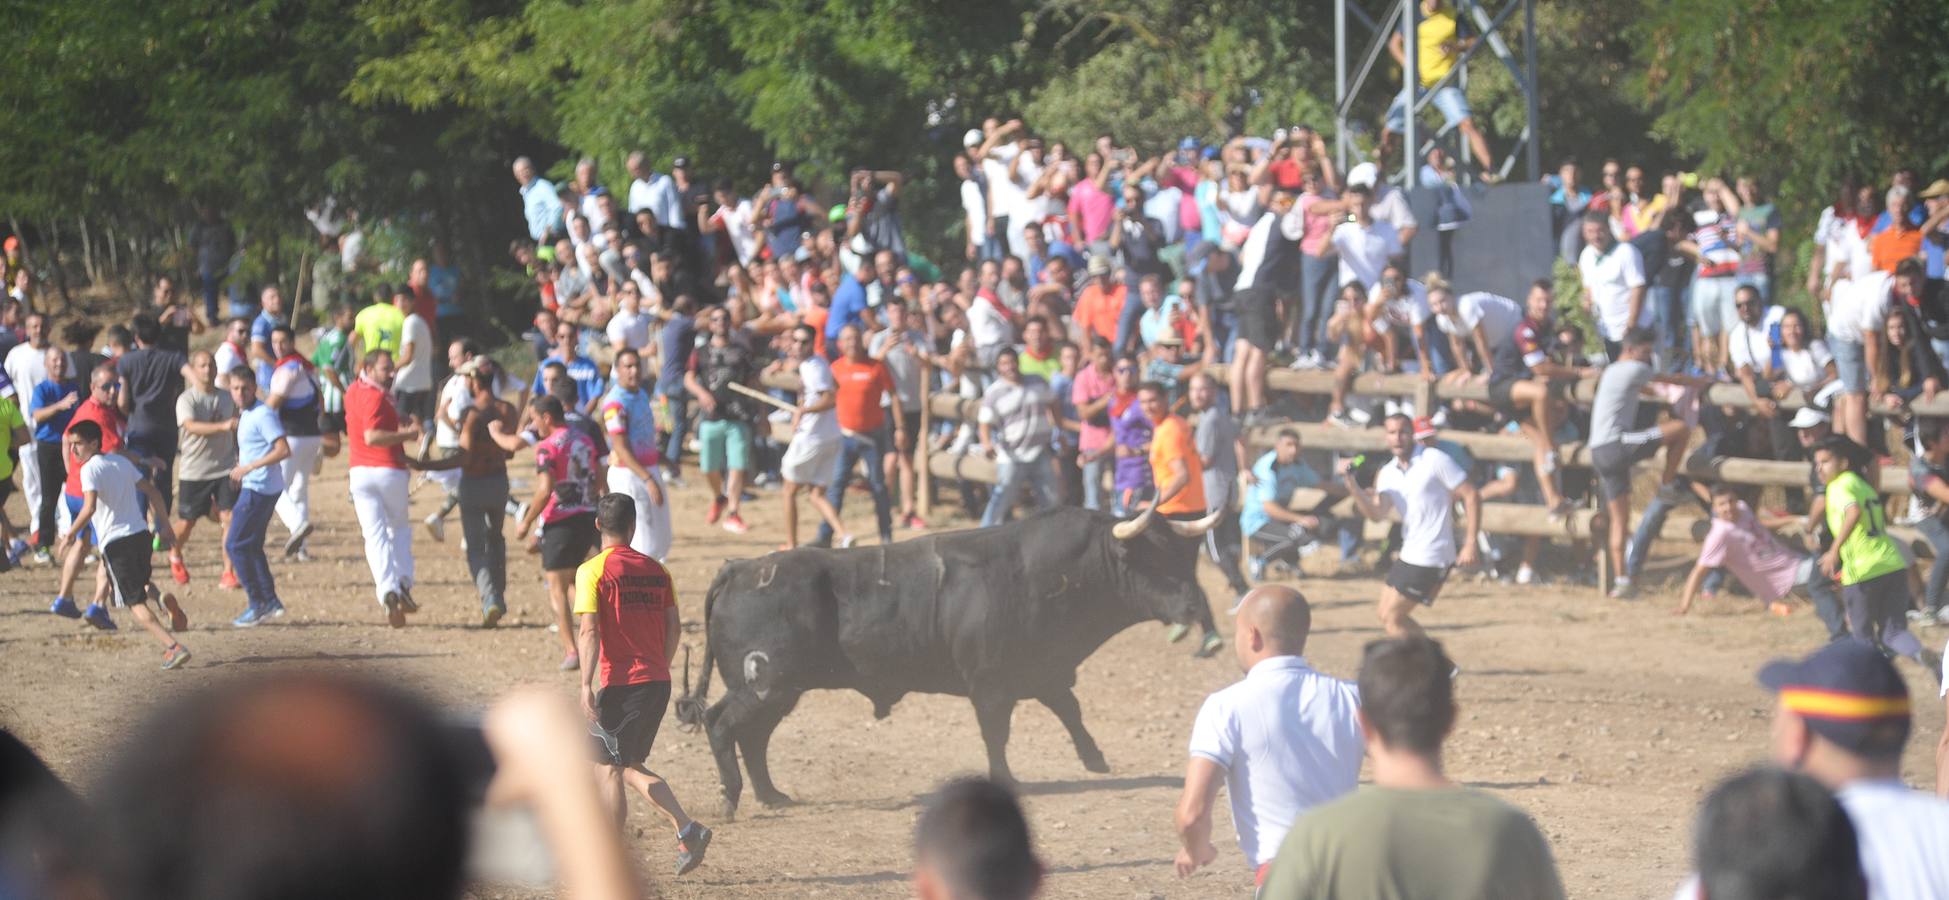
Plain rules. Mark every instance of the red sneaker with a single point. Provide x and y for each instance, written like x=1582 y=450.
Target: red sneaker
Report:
x=178 y=571
x=734 y=524
x=915 y=522
x=229 y=582
x=716 y=512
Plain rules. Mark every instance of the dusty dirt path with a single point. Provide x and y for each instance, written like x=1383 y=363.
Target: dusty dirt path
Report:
x=1603 y=720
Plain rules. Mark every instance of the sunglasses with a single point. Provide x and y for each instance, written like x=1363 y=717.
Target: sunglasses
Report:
x=1121 y=369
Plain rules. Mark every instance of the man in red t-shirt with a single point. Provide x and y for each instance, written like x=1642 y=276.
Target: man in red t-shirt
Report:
x=626 y=607
x=379 y=483
x=862 y=383
x=101 y=409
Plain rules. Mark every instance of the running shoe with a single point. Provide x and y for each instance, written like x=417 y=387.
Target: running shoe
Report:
x=1176 y=633
x=436 y=527
x=297 y=540
x=251 y=617
x=493 y=617
x=16 y=550
x=98 y=617
x=734 y=524
x=1622 y=590
x=178 y=571
x=229 y=582
x=1209 y=648
x=847 y=540
x=395 y=612
x=716 y=511
x=406 y=600
x=65 y=608
x=175 y=656
x=915 y=522
x=273 y=609
x=1341 y=420
x=178 y=620
x=571 y=663
x=691 y=844
x=42 y=557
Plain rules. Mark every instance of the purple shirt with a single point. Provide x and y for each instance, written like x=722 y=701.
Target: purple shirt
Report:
x=1132 y=430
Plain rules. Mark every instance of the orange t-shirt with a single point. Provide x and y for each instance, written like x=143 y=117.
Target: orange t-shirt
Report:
x=815 y=315
x=1097 y=310
x=1172 y=441
x=1893 y=245
x=857 y=400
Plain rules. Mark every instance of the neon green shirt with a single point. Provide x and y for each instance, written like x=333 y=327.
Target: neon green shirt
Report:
x=379 y=327
x=1868 y=552
x=10 y=419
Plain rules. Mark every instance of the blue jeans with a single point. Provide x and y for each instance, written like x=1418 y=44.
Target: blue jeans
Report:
x=1010 y=478
x=212 y=288
x=1668 y=308
x=1093 y=472
x=1937 y=533
x=1127 y=334
x=1648 y=526
x=1317 y=290
x=870 y=449
x=483 y=507
x=673 y=445
x=1224 y=326
x=250 y=521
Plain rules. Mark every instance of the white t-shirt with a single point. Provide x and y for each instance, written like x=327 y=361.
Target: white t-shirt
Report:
x=1003 y=193
x=1391 y=206
x=455 y=399
x=1610 y=277
x=418 y=374
x=1752 y=345
x=632 y=330
x=118 y=514
x=1497 y=315
x=227 y=358
x=26 y=366
x=289 y=382
x=1288 y=741
x=815 y=378
x=986 y=324
x=1364 y=251
x=975 y=206
x=1904 y=837
x=1806 y=368
x=1425 y=495
x=1403 y=312
x=738 y=227
x=1858 y=305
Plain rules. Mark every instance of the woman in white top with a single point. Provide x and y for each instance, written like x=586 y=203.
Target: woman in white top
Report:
x=1841 y=238
x=1241 y=203
x=1808 y=363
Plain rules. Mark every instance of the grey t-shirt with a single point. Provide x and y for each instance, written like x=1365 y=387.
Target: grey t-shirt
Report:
x=1614 y=409
x=203 y=457
x=1018 y=418
x=1214 y=436
x=903 y=362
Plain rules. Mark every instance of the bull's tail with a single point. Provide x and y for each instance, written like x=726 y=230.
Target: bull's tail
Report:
x=690 y=707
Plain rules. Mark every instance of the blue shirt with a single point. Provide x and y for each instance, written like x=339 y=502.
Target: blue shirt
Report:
x=588 y=379
x=260 y=332
x=637 y=425
x=258 y=430
x=847 y=305
x=541 y=207
x=676 y=341
x=1276 y=483
x=46 y=394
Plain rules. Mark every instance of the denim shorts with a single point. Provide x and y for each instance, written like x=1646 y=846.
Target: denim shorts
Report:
x=1453 y=104
x=1851 y=361
x=1712 y=304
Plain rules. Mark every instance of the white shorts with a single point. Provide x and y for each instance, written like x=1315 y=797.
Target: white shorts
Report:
x=811 y=462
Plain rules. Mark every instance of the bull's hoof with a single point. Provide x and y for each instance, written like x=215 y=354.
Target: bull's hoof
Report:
x=727 y=811
x=776 y=800
x=1094 y=762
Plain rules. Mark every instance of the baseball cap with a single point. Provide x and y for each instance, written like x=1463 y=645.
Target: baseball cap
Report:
x=1936 y=188
x=468 y=368
x=1848 y=693
x=1364 y=174
x=1189 y=143
x=681 y=162
x=1170 y=339
x=1808 y=417
x=13 y=242
x=1211 y=153
x=973 y=138
x=1424 y=428
x=1099 y=265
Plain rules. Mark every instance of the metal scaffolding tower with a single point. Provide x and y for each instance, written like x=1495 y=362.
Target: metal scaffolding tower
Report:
x=1403 y=17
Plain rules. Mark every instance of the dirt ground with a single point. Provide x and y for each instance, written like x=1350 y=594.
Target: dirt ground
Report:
x=1604 y=720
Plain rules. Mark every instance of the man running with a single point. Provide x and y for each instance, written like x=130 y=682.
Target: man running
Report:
x=1614 y=447
x=565 y=464
x=110 y=485
x=860 y=384
x=630 y=428
x=811 y=460
x=152 y=379
x=1177 y=471
x=626 y=605
x=261 y=447
x=296 y=399
x=207 y=418
x=1421 y=484
x=484 y=486
x=100 y=409
x=724 y=435
x=51 y=404
x=378 y=478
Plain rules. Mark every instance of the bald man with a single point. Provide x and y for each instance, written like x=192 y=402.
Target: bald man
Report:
x=1282 y=741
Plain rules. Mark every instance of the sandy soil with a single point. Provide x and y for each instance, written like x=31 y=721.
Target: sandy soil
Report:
x=1604 y=720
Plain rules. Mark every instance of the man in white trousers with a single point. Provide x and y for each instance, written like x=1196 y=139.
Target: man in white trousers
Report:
x=378 y=475
x=295 y=395
x=26 y=366
x=633 y=456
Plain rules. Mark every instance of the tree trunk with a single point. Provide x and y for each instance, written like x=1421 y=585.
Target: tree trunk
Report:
x=54 y=262
x=88 y=253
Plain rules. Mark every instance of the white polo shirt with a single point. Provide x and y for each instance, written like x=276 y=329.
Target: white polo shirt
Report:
x=1288 y=741
x=1904 y=837
x=1424 y=492
x=1498 y=316
x=1752 y=345
x=1609 y=277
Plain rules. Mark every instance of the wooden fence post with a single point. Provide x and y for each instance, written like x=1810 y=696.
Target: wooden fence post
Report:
x=924 y=444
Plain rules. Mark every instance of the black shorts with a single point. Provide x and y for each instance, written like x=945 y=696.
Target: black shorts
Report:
x=7 y=490
x=1613 y=462
x=415 y=405
x=909 y=428
x=1258 y=317
x=1883 y=598
x=203 y=498
x=332 y=422
x=1499 y=398
x=565 y=543
x=627 y=719
x=1417 y=583
x=127 y=559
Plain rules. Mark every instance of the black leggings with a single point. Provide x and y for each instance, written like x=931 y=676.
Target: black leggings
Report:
x=54 y=473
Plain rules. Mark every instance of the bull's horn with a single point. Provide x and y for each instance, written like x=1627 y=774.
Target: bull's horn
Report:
x=1126 y=530
x=1199 y=527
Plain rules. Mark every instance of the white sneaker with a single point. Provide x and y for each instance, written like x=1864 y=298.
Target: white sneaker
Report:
x=1525 y=575
x=1360 y=416
x=436 y=527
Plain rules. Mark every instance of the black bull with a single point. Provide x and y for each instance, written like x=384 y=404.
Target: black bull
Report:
x=997 y=615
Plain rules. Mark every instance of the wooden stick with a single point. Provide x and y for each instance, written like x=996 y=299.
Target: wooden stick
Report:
x=759 y=395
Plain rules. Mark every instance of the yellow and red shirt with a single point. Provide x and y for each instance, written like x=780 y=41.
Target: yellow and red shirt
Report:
x=633 y=595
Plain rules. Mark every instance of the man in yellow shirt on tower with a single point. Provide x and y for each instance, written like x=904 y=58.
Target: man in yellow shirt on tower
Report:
x=1437 y=48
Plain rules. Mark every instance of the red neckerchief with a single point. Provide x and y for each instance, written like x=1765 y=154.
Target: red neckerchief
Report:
x=1864 y=224
x=289 y=357
x=237 y=350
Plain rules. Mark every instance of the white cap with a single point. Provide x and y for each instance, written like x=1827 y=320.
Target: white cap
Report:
x=973 y=138
x=1364 y=174
x=1808 y=417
